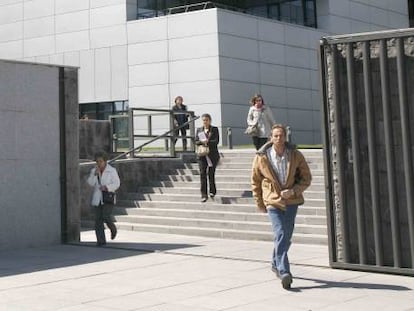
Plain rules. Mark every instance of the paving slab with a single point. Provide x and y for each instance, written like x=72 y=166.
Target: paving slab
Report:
x=162 y=272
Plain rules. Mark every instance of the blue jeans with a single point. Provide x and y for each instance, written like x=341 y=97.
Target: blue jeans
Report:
x=283 y=223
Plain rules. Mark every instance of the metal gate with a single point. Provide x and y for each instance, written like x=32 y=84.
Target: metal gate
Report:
x=368 y=94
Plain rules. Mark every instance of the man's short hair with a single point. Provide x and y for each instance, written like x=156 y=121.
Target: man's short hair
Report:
x=279 y=126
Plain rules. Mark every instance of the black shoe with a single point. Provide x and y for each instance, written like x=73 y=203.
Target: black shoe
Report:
x=100 y=243
x=286 y=280
x=212 y=195
x=113 y=233
x=203 y=200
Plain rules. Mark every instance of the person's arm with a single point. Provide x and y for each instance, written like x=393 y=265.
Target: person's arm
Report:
x=114 y=181
x=256 y=182
x=92 y=178
x=303 y=175
x=197 y=139
x=214 y=137
x=251 y=118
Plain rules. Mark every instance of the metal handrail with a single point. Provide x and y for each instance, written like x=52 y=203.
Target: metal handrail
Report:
x=139 y=148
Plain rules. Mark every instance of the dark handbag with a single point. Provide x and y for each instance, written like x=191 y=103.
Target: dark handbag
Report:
x=108 y=197
x=252 y=130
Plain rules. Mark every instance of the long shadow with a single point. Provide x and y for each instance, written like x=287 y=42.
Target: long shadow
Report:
x=324 y=284
x=15 y=262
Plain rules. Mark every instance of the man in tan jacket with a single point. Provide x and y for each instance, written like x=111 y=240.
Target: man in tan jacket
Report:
x=280 y=175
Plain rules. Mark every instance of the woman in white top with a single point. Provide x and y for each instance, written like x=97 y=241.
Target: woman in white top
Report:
x=103 y=177
x=260 y=116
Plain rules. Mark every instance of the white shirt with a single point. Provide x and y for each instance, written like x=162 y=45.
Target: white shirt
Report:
x=108 y=178
x=279 y=164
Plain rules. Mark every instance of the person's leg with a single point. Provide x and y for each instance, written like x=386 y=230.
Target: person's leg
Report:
x=183 y=134
x=99 y=225
x=256 y=142
x=107 y=218
x=176 y=133
x=203 y=176
x=212 y=180
x=290 y=216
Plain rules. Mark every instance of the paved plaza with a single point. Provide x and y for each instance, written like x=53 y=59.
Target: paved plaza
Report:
x=157 y=272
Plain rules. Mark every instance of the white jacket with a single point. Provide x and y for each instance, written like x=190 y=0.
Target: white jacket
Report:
x=109 y=178
x=263 y=118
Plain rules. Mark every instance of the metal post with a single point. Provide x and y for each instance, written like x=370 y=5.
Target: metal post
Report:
x=340 y=156
x=172 y=135
x=131 y=131
x=390 y=159
x=360 y=217
x=192 y=133
x=149 y=124
x=372 y=155
x=229 y=138
x=406 y=141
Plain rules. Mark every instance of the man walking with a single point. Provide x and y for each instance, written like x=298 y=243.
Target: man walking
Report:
x=280 y=175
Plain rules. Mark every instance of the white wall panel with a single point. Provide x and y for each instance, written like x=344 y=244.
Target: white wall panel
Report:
x=238 y=47
x=108 y=16
x=66 y=6
x=11 y=32
x=194 y=70
x=378 y=16
x=233 y=92
x=119 y=72
x=101 y=3
x=297 y=36
x=202 y=22
x=87 y=76
x=236 y=24
x=148 y=52
x=38 y=8
x=72 y=58
x=299 y=98
x=272 y=74
x=193 y=47
x=239 y=70
x=274 y=96
x=56 y=59
x=271 y=31
x=297 y=57
x=72 y=41
x=70 y=22
x=149 y=96
x=102 y=74
x=39 y=27
x=110 y=36
x=199 y=92
x=298 y=78
x=301 y=120
x=11 y=13
x=148 y=74
x=151 y=29
x=39 y=46
x=271 y=52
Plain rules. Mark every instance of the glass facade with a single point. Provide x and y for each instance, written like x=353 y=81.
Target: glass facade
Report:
x=102 y=111
x=302 y=12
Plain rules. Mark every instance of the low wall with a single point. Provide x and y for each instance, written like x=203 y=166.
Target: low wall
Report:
x=134 y=173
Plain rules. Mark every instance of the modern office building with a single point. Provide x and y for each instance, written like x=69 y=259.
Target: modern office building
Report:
x=143 y=53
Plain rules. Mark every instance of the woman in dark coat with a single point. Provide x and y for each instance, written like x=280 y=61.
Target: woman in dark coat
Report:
x=208 y=135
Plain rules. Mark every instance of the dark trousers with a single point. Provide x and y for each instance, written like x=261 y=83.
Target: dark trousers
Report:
x=103 y=215
x=205 y=172
x=258 y=142
x=183 y=133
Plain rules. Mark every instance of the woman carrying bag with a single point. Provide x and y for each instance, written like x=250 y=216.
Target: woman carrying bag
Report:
x=207 y=139
x=105 y=181
x=259 y=120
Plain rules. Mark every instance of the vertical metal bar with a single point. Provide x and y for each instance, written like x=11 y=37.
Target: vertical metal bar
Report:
x=131 y=131
x=172 y=135
x=372 y=155
x=327 y=156
x=192 y=132
x=406 y=141
x=390 y=159
x=149 y=124
x=340 y=156
x=360 y=216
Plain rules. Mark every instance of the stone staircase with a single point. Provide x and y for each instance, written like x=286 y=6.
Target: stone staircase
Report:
x=172 y=204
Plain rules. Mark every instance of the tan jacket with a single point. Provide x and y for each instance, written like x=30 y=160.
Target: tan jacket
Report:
x=266 y=187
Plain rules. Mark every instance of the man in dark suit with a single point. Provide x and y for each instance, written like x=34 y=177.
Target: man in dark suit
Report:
x=208 y=135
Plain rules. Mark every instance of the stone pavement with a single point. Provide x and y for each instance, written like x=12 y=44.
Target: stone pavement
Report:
x=156 y=272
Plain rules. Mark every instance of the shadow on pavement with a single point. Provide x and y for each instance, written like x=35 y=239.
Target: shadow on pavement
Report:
x=15 y=262
x=321 y=284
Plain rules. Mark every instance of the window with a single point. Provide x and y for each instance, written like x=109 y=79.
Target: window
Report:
x=102 y=111
x=302 y=12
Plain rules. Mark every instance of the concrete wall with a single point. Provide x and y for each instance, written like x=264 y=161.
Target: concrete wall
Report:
x=90 y=34
x=30 y=166
x=94 y=135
